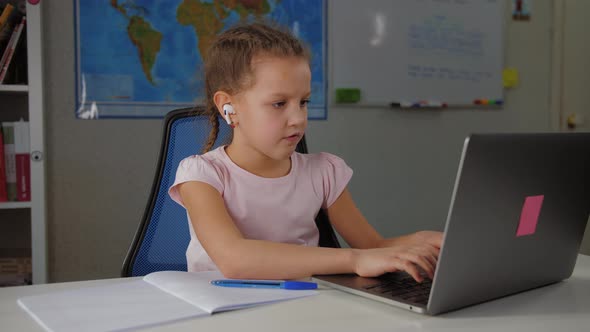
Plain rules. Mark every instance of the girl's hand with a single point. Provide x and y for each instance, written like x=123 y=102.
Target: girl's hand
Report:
x=423 y=237
x=427 y=237
x=404 y=257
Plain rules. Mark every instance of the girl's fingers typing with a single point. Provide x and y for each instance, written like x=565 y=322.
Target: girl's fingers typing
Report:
x=410 y=268
x=432 y=256
x=425 y=265
x=416 y=260
x=424 y=258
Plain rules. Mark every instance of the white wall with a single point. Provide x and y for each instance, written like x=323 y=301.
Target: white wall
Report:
x=405 y=162
x=576 y=71
x=576 y=60
x=99 y=173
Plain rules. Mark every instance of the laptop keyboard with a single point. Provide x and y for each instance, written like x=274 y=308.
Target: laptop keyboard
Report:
x=402 y=286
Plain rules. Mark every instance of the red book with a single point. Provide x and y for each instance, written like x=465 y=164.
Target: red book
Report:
x=23 y=177
x=23 y=161
x=3 y=194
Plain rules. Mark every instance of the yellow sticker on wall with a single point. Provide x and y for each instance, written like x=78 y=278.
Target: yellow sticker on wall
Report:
x=510 y=77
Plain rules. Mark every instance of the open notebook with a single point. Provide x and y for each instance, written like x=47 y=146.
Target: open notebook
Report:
x=159 y=297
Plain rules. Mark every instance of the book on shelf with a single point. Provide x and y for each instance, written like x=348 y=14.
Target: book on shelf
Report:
x=15 y=267
x=9 y=60
x=7 y=40
x=3 y=193
x=11 y=13
x=5 y=14
x=6 y=19
x=9 y=160
x=16 y=161
x=15 y=271
x=22 y=158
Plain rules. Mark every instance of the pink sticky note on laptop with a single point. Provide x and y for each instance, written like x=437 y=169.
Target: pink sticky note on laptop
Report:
x=530 y=215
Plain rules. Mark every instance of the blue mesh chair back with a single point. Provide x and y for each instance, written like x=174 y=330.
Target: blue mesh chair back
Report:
x=163 y=234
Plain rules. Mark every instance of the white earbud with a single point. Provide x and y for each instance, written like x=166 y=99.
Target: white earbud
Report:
x=227 y=110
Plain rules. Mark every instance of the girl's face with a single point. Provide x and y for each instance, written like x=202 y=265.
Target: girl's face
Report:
x=272 y=112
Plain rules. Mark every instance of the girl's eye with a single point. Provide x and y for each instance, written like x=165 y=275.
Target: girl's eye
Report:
x=304 y=103
x=280 y=104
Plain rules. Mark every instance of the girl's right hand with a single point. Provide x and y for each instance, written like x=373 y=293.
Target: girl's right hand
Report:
x=410 y=258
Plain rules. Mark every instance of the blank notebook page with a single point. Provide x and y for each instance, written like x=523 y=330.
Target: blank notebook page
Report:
x=130 y=304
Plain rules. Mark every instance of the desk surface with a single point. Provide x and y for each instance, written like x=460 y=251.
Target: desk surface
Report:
x=564 y=306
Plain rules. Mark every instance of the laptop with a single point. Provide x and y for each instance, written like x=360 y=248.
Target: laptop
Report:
x=516 y=220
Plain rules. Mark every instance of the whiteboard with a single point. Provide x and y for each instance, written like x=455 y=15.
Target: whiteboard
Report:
x=399 y=51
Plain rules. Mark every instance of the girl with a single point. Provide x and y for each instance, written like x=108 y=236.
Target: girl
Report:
x=251 y=204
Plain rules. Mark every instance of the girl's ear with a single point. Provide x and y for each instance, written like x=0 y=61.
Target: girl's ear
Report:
x=221 y=98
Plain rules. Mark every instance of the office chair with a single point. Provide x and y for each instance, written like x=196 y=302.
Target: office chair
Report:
x=163 y=235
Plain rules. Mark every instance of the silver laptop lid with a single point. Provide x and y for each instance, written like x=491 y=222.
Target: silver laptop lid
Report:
x=517 y=217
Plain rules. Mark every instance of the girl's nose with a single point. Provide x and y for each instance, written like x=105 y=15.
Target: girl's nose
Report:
x=297 y=116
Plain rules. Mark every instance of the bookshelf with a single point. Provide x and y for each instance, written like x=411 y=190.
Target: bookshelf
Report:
x=16 y=88
x=15 y=205
x=26 y=101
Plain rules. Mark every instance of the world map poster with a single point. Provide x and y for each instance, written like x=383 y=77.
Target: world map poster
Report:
x=144 y=58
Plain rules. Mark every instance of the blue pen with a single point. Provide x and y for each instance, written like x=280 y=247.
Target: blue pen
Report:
x=292 y=285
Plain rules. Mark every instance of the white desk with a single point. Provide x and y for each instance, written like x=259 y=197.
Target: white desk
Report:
x=564 y=306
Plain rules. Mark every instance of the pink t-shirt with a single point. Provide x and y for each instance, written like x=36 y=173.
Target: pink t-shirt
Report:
x=274 y=209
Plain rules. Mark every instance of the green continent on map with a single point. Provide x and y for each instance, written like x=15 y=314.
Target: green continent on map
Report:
x=147 y=40
x=207 y=18
x=144 y=37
